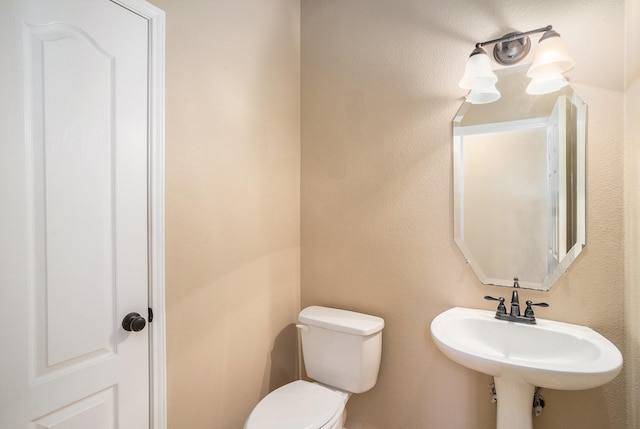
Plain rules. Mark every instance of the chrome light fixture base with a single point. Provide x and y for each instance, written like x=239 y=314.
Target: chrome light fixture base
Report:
x=512 y=49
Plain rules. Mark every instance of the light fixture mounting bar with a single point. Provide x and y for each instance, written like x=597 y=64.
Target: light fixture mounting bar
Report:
x=513 y=36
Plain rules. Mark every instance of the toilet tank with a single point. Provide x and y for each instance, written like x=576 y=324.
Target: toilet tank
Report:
x=341 y=348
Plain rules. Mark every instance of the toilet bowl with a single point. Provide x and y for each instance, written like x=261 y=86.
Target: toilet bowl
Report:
x=300 y=405
x=341 y=351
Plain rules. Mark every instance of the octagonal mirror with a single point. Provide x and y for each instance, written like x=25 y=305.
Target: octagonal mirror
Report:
x=519 y=183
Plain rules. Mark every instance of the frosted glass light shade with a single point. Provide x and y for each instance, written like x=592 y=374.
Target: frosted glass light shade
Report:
x=546 y=84
x=478 y=73
x=551 y=56
x=483 y=96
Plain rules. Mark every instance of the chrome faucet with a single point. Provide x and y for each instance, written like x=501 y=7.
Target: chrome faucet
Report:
x=515 y=302
x=514 y=315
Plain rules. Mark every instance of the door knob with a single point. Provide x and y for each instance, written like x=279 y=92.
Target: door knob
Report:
x=133 y=322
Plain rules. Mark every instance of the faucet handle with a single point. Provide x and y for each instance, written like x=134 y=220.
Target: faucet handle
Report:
x=501 y=308
x=528 y=312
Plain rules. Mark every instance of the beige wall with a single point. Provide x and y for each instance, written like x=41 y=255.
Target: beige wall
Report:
x=379 y=91
x=632 y=212
x=232 y=210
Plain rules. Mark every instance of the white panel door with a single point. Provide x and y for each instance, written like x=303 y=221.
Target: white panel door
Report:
x=73 y=215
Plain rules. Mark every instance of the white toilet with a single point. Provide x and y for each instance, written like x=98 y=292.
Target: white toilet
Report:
x=341 y=351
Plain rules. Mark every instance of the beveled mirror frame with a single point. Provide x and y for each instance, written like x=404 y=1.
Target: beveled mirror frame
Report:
x=494 y=146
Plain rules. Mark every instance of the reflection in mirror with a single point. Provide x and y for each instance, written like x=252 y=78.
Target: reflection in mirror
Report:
x=519 y=183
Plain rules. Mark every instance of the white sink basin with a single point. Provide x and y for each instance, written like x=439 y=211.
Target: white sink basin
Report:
x=550 y=354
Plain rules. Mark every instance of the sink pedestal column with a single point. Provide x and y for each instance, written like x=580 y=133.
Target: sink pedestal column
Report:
x=515 y=403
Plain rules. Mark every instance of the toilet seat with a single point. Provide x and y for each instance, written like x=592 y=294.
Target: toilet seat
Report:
x=298 y=405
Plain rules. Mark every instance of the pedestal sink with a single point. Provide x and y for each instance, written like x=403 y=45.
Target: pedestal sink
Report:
x=553 y=355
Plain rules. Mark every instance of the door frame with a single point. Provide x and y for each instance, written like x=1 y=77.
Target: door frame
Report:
x=155 y=204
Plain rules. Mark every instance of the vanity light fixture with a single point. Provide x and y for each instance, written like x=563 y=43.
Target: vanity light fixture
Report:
x=550 y=61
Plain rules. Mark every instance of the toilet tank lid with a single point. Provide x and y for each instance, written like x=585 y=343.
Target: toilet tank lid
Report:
x=339 y=320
